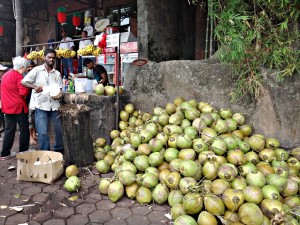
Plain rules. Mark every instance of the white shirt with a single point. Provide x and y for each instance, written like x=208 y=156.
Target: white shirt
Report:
x=40 y=77
x=84 y=43
x=66 y=45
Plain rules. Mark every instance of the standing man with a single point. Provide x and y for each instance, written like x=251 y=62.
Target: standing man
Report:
x=83 y=44
x=67 y=62
x=99 y=72
x=46 y=107
x=14 y=107
x=32 y=131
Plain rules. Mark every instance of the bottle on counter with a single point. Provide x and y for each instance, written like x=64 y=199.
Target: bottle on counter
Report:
x=65 y=84
x=71 y=87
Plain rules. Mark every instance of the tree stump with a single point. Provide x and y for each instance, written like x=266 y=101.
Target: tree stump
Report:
x=78 y=142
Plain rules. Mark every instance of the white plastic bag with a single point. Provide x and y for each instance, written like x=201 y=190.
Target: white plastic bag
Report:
x=95 y=83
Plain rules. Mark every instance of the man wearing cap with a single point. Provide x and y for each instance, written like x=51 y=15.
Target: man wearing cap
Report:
x=3 y=69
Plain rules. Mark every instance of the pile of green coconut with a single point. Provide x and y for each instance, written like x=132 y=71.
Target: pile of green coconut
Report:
x=207 y=164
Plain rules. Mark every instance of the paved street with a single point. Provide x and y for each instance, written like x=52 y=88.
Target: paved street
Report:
x=51 y=204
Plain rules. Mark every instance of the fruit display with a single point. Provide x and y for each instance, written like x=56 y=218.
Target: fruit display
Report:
x=89 y=50
x=65 y=53
x=108 y=90
x=207 y=164
x=35 y=55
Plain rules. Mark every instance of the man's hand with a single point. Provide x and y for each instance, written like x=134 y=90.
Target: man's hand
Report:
x=38 y=89
x=57 y=97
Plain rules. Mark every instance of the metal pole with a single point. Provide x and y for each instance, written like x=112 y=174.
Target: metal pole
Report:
x=57 y=42
x=118 y=77
x=19 y=26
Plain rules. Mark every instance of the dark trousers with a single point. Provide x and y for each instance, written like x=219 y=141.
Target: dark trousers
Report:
x=1 y=120
x=11 y=121
x=79 y=65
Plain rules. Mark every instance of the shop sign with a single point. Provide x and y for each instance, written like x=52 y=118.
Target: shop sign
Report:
x=112 y=40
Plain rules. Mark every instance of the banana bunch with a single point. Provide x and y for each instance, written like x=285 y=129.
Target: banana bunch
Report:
x=97 y=51
x=65 y=53
x=89 y=50
x=36 y=55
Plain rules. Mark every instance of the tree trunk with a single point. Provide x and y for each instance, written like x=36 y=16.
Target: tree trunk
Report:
x=78 y=143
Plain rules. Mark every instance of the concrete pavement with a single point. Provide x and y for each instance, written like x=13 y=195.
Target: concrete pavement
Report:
x=51 y=204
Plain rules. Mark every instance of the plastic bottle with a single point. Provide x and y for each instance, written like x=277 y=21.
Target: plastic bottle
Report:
x=71 y=86
x=64 y=86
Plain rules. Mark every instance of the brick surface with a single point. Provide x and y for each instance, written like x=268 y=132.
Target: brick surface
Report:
x=94 y=189
x=77 y=219
x=52 y=205
x=83 y=191
x=115 y=222
x=64 y=212
x=11 y=180
x=60 y=195
x=32 y=190
x=121 y=212
x=137 y=219
x=7 y=212
x=161 y=208
x=156 y=217
x=92 y=198
x=51 y=188
x=16 y=219
x=55 y=222
x=85 y=208
x=125 y=202
x=105 y=205
x=2 y=220
x=33 y=223
x=42 y=216
x=40 y=197
x=5 y=200
x=100 y=216
x=141 y=210
x=20 y=200
x=22 y=185
x=13 y=191
x=87 y=183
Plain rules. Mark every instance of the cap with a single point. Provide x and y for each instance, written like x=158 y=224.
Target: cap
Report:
x=3 y=67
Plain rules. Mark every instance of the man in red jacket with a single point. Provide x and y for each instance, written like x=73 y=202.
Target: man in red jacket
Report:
x=14 y=107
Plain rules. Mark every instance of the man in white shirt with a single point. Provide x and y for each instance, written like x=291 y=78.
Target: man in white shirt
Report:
x=67 y=62
x=83 y=44
x=46 y=107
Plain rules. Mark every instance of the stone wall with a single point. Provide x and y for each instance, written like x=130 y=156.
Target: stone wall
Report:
x=166 y=30
x=276 y=115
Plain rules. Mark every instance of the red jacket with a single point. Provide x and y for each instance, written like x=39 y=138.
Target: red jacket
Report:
x=13 y=93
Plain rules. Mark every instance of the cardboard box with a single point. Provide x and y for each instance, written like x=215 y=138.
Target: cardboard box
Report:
x=39 y=166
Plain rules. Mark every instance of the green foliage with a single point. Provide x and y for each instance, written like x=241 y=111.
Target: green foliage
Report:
x=257 y=34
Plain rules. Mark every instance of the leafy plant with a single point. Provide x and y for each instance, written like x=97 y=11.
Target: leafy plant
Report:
x=256 y=34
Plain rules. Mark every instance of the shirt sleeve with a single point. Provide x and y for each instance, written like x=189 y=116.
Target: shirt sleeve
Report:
x=23 y=91
x=30 y=77
x=71 y=43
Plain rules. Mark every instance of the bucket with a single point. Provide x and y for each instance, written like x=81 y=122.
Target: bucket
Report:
x=89 y=86
x=80 y=84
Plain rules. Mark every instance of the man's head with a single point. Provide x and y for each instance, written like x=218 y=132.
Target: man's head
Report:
x=20 y=64
x=50 y=56
x=31 y=65
x=64 y=34
x=88 y=63
x=84 y=34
